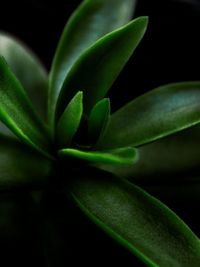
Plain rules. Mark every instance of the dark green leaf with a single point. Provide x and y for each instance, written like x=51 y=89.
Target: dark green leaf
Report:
x=28 y=69
x=90 y=21
x=168 y=160
x=98 y=120
x=137 y=220
x=17 y=113
x=121 y=156
x=100 y=65
x=70 y=120
x=20 y=166
x=156 y=114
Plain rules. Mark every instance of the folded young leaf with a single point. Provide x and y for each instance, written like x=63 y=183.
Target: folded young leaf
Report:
x=20 y=166
x=137 y=220
x=123 y=156
x=98 y=67
x=89 y=22
x=28 y=69
x=70 y=121
x=98 y=120
x=161 y=112
x=17 y=113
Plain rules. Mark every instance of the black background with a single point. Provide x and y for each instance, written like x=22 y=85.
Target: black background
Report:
x=168 y=53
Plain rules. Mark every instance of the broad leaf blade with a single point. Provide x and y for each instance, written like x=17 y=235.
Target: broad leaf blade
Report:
x=175 y=158
x=98 y=120
x=161 y=112
x=100 y=65
x=17 y=113
x=123 y=156
x=138 y=221
x=20 y=166
x=90 y=21
x=28 y=69
x=70 y=120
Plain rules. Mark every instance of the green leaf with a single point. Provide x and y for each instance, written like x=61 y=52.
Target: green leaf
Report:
x=98 y=120
x=121 y=156
x=90 y=21
x=137 y=220
x=175 y=158
x=17 y=113
x=100 y=65
x=161 y=112
x=20 y=166
x=70 y=120
x=28 y=69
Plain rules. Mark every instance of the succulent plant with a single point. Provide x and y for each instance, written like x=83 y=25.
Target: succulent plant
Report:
x=68 y=147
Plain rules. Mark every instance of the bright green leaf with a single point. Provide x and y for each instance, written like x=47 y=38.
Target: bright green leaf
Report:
x=70 y=120
x=17 y=113
x=98 y=120
x=28 y=69
x=20 y=166
x=154 y=115
x=121 y=156
x=100 y=65
x=90 y=21
x=137 y=220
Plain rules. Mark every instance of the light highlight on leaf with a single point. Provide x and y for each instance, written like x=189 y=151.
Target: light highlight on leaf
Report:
x=28 y=70
x=136 y=220
x=156 y=114
x=90 y=21
x=70 y=121
x=98 y=67
x=121 y=156
x=98 y=120
x=17 y=113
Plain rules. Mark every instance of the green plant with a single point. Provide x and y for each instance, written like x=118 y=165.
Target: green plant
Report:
x=81 y=136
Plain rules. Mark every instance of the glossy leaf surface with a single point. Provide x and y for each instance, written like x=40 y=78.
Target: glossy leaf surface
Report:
x=90 y=21
x=70 y=120
x=137 y=220
x=98 y=120
x=173 y=159
x=161 y=112
x=17 y=113
x=100 y=65
x=119 y=156
x=28 y=69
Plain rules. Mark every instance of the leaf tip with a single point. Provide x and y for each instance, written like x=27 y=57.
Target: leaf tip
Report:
x=143 y=20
